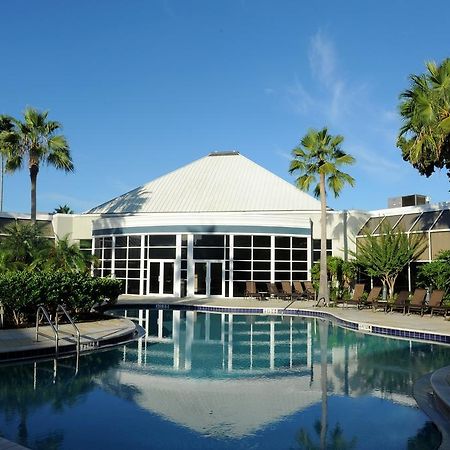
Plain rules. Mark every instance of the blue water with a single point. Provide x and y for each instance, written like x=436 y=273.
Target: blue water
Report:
x=222 y=381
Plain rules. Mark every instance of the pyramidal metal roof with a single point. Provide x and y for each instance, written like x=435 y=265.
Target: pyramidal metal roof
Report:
x=219 y=182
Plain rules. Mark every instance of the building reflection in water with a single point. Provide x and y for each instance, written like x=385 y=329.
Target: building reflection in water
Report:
x=191 y=341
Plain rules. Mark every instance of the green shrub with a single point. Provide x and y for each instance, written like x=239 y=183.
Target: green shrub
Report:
x=22 y=292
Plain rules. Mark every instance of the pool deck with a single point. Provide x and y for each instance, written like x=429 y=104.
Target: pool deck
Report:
x=21 y=343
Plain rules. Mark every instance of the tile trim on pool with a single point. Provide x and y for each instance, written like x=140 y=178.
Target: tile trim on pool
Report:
x=398 y=333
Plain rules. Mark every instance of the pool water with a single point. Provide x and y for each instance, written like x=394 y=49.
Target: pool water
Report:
x=224 y=381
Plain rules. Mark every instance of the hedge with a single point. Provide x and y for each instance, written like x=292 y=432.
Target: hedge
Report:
x=22 y=292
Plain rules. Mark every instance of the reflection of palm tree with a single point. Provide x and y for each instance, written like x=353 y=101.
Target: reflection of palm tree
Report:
x=323 y=331
x=336 y=439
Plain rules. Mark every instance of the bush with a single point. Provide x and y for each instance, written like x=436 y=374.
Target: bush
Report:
x=22 y=292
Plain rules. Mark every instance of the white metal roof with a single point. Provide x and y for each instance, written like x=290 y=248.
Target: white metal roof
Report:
x=218 y=182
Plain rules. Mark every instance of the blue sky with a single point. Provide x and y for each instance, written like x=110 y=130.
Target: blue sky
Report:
x=145 y=87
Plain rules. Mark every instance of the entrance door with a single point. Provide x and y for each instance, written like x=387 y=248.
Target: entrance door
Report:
x=160 y=277
x=209 y=278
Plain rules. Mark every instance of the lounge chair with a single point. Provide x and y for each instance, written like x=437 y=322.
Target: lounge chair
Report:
x=275 y=292
x=286 y=288
x=357 y=296
x=372 y=299
x=251 y=291
x=400 y=303
x=310 y=291
x=299 y=291
x=417 y=301
x=435 y=303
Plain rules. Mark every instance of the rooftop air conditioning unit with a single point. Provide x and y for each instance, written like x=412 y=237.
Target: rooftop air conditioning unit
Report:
x=408 y=200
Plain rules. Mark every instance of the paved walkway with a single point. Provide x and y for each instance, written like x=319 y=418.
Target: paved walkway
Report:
x=413 y=322
x=92 y=334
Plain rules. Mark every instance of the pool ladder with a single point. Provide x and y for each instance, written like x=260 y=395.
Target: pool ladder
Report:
x=42 y=313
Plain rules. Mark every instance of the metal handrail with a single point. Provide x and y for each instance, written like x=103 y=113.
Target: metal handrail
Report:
x=77 y=335
x=47 y=317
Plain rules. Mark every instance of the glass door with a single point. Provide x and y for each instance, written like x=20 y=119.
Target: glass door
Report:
x=160 y=277
x=209 y=278
x=201 y=269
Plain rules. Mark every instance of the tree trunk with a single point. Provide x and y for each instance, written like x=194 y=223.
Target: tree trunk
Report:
x=34 y=169
x=323 y=284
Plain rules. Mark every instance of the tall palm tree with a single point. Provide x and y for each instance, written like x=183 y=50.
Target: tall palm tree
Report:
x=36 y=140
x=319 y=155
x=424 y=137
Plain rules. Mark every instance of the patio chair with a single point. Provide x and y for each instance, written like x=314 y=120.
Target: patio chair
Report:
x=251 y=291
x=417 y=301
x=372 y=299
x=275 y=292
x=400 y=303
x=286 y=288
x=357 y=295
x=435 y=303
x=310 y=291
x=299 y=291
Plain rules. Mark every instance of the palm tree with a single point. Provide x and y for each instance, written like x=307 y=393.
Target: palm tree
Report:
x=63 y=209
x=424 y=138
x=67 y=256
x=35 y=139
x=319 y=154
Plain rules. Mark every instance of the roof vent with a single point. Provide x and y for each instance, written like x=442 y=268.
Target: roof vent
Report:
x=225 y=153
x=408 y=200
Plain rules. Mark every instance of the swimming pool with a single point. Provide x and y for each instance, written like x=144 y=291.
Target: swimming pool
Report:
x=225 y=381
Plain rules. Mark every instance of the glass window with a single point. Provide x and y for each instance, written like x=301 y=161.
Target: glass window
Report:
x=389 y=221
x=281 y=276
x=241 y=275
x=107 y=242
x=184 y=240
x=257 y=265
x=121 y=241
x=426 y=220
x=443 y=223
x=302 y=276
x=242 y=241
x=282 y=242
x=134 y=253
x=282 y=255
x=85 y=244
x=261 y=241
x=261 y=276
x=133 y=286
x=98 y=242
x=242 y=265
x=300 y=265
x=134 y=241
x=300 y=255
x=134 y=274
x=107 y=264
x=107 y=253
x=369 y=226
x=134 y=264
x=208 y=240
x=282 y=266
x=299 y=242
x=120 y=253
x=316 y=244
x=161 y=253
x=121 y=273
x=120 y=264
x=183 y=253
x=406 y=222
x=183 y=264
x=259 y=253
x=208 y=253
x=162 y=240
x=241 y=253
